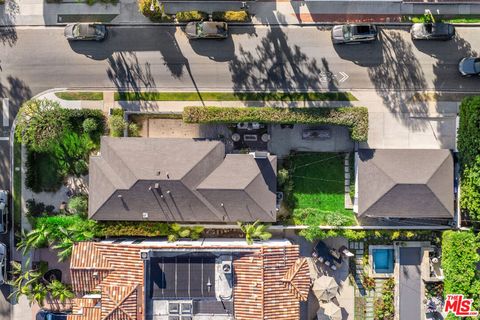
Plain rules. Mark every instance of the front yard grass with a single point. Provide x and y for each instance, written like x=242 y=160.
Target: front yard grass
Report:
x=318 y=189
x=447 y=19
x=234 y=96
x=70 y=95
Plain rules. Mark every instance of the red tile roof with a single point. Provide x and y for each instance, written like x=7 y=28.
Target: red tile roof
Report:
x=270 y=283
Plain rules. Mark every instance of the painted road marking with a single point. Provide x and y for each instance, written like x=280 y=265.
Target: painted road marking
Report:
x=4 y=138
x=5 y=112
x=344 y=77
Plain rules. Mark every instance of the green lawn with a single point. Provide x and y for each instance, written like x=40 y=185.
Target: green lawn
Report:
x=80 y=95
x=318 y=189
x=450 y=19
x=234 y=96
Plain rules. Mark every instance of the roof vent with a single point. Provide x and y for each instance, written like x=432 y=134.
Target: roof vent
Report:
x=260 y=154
x=159 y=172
x=95 y=275
x=144 y=254
x=145 y=215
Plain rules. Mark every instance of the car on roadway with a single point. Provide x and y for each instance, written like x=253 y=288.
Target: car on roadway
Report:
x=3 y=263
x=354 y=33
x=469 y=66
x=206 y=30
x=85 y=31
x=432 y=31
x=3 y=211
x=50 y=315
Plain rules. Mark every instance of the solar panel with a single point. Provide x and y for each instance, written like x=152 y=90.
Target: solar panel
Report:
x=187 y=276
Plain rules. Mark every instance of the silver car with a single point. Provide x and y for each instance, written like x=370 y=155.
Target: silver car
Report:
x=354 y=33
x=3 y=211
x=3 y=263
x=206 y=30
x=469 y=66
x=85 y=31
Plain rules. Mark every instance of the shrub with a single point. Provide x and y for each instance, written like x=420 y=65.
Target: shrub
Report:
x=77 y=117
x=231 y=16
x=117 y=125
x=368 y=282
x=35 y=209
x=459 y=262
x=384 y=308
x=72 y=153
x=89 y=125
x=354 y=118
x=194 y=15
x=468 y=133
x=78 y=205
x=157 y=15
x=130 y=228
x=40 y=123
x=282 y=177
x=56 y=225
x=133 y=130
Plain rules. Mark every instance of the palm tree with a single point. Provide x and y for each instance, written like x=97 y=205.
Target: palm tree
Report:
x=254 y=231
x=65 y=248
x=60 y=291
x=37 y=238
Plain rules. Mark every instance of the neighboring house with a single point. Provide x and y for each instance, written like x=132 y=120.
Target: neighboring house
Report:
x=183 y=180
x=188 y=281
x=413 y=184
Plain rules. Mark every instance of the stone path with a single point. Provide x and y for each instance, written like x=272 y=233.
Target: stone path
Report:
x=348 y=199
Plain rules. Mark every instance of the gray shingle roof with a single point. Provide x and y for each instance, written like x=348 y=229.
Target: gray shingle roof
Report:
x=405 y=183
x=179 y=180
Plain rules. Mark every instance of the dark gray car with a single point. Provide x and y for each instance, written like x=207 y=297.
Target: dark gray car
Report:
x=85 y=31
x=3 y=263
x=354 y=33
x=432 y=31
x=206 y=30
x=469 y=66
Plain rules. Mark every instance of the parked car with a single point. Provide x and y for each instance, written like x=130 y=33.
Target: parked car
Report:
x=432 y=31
x=469 y=66
x=3 y=263
x=50 y=315
x=354 y=33
x=3 y=211
x=85 y=31
x=206 y=30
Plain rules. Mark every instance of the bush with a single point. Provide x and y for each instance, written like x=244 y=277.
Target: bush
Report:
x=459 y=262
x=89 y=125
x=55 y=225
x=231 y=16
x=157 y=15
x=470 y=194
x=77 y=117
x=194 y=15
x=384 y=308
x=354 y=118
x=130 y=228
x=117 y=125
x=78 y=205
x=133 y=130
x=468 y=132
x=282 y=177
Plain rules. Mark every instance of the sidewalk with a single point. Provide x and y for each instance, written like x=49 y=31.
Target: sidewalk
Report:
x=39 y=13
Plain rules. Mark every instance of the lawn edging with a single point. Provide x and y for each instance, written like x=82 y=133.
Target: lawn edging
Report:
x=354 y=118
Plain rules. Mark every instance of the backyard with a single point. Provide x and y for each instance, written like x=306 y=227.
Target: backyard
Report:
x=315 y=189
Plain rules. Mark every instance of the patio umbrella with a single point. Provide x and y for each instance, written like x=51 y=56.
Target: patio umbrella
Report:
x=329 y=311
x=325 y=288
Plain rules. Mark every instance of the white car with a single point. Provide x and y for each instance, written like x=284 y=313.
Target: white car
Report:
x=3 y=263
x=3 y=211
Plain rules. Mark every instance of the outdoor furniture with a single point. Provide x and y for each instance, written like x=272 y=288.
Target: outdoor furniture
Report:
x=343 y=250
x=325 y=288
x=322 y=250
x=329 y=311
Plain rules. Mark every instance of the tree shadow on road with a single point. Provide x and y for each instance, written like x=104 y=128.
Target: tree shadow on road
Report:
x=399 y=75
x=276 y=65
x=16 y=90
x=8 y=13
x=127 y=74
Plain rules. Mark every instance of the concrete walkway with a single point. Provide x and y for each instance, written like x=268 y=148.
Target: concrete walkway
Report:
x=38 y=12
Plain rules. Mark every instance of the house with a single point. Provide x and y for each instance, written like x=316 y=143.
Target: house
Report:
x=209 y=279
x=182 y=180
x=412 y=184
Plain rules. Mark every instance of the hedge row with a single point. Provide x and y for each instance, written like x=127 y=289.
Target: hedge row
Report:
x=469 y=156
x=231 y=16
x=354 y=118
x=459 y=263
x=194 y=15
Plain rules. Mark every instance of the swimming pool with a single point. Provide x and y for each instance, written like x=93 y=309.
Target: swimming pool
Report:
x=383 y=260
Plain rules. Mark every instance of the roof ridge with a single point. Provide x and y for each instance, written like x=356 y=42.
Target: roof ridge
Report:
x=428 y=184
x=119 y=303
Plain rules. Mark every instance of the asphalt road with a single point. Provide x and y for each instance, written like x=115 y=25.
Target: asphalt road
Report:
x=36 y=59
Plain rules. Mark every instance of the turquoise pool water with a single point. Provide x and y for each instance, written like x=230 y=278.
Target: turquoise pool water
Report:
x=383 y=260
